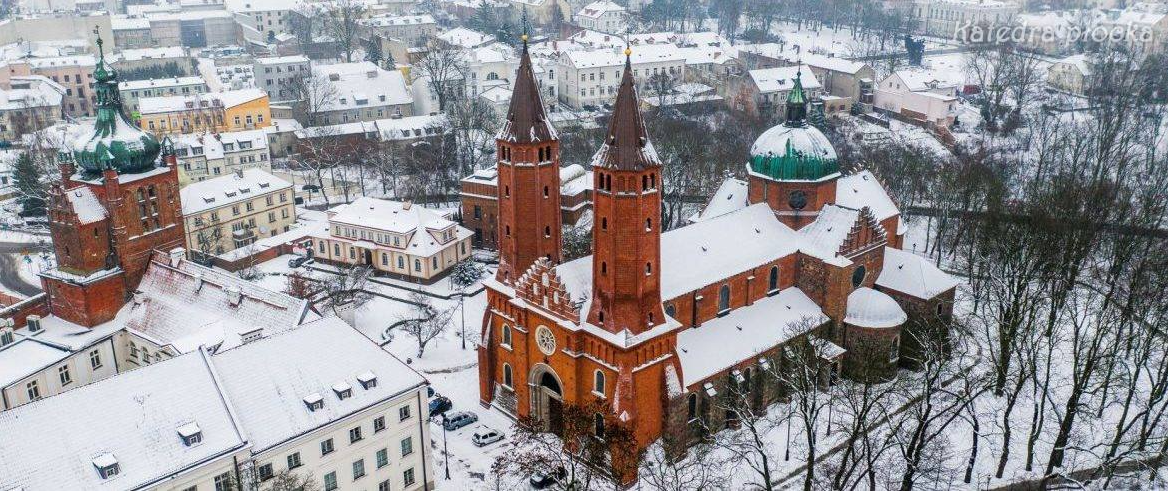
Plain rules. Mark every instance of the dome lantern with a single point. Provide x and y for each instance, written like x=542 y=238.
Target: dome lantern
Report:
x=794 y=150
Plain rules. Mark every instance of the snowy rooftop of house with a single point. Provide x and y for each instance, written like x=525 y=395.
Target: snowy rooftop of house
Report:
x=405 y=128
x=731 y=196
x=922 y=79
x=363 y=84
x=745 y=333
x=399 y=218
x=128 y=23
x=872 y=309
x=261 y=5
x=833 y=63
x=863 y=189
x=397 y=20
x=31 y=91
x=281 y=60
x=198 y=197
x=574 y=179
x=227 y=99
x=595 y=10
x=60 y=61
x=86 y=205
x=913 y=275
x=148 y=54
x=267 y=381
x=1142 y=14
x=781 y=79
x=1080 y=62
x=827 y=233
x=466 y=38
x=26 y=356
x=184 y=306
x=161 y=82
x=216 y=145
x=498 y=94
x=56 y=443
x=612 y=57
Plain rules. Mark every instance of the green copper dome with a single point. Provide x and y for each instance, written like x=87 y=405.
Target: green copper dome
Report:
x=794 y=151
x=115 y=142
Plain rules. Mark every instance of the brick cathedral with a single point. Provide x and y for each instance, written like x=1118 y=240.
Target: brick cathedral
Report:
x=661 y=327
x=117 y=202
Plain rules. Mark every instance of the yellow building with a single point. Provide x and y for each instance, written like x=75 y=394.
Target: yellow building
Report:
x=232 y=110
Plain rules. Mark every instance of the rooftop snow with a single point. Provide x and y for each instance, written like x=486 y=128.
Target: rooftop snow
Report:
x=744 y=333
x=873 y=309
x=267 y=380
x=86 y=205
x=862 y=189
x=782 y=79
x=731 y=196
x=51 y=444
x=198 y=197
x=914 y=275
x=229 y=98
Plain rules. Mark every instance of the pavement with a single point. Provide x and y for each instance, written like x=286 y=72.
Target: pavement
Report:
x=10 y=261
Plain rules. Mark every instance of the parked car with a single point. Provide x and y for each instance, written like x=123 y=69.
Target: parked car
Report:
x=485 y=436
x=439 y=405
x=541 y=480
x=310 y=188
x=298 y=261
x=459 y=419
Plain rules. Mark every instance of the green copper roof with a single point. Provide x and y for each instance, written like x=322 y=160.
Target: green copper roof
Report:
x=793 y=150
x=116 y=143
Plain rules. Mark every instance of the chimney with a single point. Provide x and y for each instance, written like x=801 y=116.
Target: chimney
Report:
x=239 y=172
x=177 y=254
x=6 y=337
x=234 y=295
x=33 y=323
x=198 y=282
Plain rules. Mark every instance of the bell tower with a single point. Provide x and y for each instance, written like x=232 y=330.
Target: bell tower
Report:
x=626 y=232
x=528 y=151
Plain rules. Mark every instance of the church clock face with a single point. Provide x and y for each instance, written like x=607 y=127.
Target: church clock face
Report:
x=797 y=200
x=545 y=340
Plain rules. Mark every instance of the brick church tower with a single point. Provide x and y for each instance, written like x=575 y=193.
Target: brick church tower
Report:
x=116 y=203
x=626 y=233
x=529 y=179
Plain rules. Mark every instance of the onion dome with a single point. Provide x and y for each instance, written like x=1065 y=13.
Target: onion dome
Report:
x=872 y=309
x=794 y=151
x=115 y=142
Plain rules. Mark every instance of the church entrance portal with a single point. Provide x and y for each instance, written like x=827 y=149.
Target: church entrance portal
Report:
x=547 y=398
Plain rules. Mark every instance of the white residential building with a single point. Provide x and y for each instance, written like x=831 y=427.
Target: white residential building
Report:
x=133 y=90
x=278 y=75
x=946 y=18
x=29 y=104
x=1070 y=74
x=604 y=16
x=320 y=400
x=413 y=30
x=925 y=95
x=393 y=237
x=590 y=78
x=363 y=92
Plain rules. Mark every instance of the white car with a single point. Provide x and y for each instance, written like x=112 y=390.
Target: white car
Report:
x=485 y=436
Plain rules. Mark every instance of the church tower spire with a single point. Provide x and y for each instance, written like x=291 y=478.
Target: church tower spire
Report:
x=528 y=165
x=626 y=231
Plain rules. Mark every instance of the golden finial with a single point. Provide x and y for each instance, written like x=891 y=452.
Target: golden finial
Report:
x=523 y=37
x=628 y=51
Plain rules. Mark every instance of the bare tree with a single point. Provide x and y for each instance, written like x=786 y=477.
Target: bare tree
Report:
x=288 y=480
x=343 y=24
x=313 y=94
x=346 y=289
x=424 y=321
x=444 y=70
x=700 y=469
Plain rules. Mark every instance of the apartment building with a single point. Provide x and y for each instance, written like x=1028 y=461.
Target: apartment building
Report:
x=363 y=92
x=591 y=77
x=396 y=238
x=603 y=16
x=228 y=212
x=203 y=156
x=29 y=104
x=231 y=110
x=74 y=73
x=278 y=74
x=133 y=90
x=413 y=30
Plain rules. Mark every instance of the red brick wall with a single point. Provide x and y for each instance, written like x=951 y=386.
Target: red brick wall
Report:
x=777 y=194
x=486 y=226
x=743 y=291
x=87 y=305
x=529 y=207
x=19 y=309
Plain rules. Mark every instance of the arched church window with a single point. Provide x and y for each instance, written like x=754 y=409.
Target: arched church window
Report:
x=724 y=298
x=598 y=382
x=773 y=280
x=506 y=335
x=507 y=377
x=858 y=276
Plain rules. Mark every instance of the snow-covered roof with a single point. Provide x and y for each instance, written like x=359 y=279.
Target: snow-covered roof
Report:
x=704 y=253
x=31 y=91
x=833 y=63
x=827 y=233
x=1080 y=62
x=610 y=57
x=744 y=333
x=86 y=205
x=128 y=23
x=227 y=99
x=26 y=356
x=397 y=20
x=914 y=275
x=161 y=82
x=781 y=139
x=133 y=419
x=198 y=197
x=185 y=306
x=466 y=38
x=215 y=145
x=923 y=79
x=731 y=196
x=362 y=84
x=416 y=222
x=163 y=52
x=782 y=79
x=873 y=309
x=863 y=189
x=574 y=179
x=281 y=60
x=267 y=380
x=261 y=5
x=596 y=10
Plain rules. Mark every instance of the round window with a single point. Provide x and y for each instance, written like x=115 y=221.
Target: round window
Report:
x=545 y=340
x=858 y=276
x=797 y=199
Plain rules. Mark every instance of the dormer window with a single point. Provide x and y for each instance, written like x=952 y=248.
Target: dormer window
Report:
x=107 y=465
x=191 y=434
x=368 y=380
x=343 y=390
x=314 y=401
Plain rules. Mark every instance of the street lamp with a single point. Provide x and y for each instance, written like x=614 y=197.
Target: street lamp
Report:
x=790 y=414
x=445 y=450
